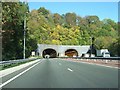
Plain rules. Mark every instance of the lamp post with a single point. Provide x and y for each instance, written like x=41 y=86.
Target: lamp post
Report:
x=24 y=35
x=91 y=46
x=24 y=32
x=91 y=39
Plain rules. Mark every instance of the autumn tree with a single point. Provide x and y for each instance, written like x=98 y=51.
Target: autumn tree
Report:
x=12 y=27
x=13 y=15
x=70 y=19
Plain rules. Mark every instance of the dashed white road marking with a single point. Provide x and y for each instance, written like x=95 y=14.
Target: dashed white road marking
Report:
x=18 y=75
x=94 y=64
x=70 y=69
x=60 y=64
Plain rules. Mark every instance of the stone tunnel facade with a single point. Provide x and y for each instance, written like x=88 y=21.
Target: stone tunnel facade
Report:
x=61 y=49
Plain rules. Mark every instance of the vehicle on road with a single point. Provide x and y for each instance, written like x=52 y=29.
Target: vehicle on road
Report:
x=47 y=56
x=103 y=53
x=106 y=54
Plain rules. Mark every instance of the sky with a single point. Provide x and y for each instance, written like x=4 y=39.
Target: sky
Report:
x=102 y=9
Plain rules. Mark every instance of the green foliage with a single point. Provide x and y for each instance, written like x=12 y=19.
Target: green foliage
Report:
x=12 y=30
x=58 y=20
x=3 y=67
x=70 y=29
x=114 y=51
x=43 y=11
x=13 y=14
x=70 y=19
x=46 y=28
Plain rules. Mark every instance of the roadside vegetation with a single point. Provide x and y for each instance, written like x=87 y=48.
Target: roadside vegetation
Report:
x=5 y=66
x=45 y=27
x=13 y=65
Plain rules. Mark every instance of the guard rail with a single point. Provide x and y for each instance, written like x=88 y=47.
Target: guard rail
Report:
x=15 y=61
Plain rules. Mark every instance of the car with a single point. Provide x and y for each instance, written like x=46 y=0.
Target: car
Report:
x=47 y=56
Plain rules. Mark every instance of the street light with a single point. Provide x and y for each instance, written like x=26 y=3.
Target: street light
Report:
x=91 y=38
x=91 y=47
x=24 y=32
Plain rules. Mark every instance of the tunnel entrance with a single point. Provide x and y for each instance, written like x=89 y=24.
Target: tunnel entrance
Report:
x=71 y=53
x=51 y=52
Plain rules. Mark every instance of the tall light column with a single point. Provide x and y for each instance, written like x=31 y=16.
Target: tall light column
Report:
x=24 y=32
x=91 y=47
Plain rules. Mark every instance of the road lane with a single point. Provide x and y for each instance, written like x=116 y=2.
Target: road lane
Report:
x=54 y=73
x=9 y=76
x=99 y=76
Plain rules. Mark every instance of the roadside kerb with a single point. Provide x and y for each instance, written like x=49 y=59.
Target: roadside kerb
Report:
x=16 y=68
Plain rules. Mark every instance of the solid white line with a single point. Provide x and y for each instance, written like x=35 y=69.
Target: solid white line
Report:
x=18 y=75
x=70 y=69
x=11 y=70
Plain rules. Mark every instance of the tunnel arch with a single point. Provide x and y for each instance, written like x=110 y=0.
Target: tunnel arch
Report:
x=71 y=53
x=49 y=51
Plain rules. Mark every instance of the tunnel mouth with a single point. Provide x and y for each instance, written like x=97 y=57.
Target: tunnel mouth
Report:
x=71 y=53
x=49 y=52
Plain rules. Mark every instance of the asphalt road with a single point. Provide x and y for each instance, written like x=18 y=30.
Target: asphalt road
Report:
x=57 y=73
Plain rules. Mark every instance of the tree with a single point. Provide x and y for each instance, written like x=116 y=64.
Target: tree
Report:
x=92 y=19
x=57 y=19
x=12 y=26
x=114 y=47
x=104 y=42
x=13 y=16
x=44 y=27
x=70 y=19
x=43 y=11
x=38 y=27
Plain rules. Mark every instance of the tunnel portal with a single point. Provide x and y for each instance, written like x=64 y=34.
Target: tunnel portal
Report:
x=71 y=53
x=51 y=52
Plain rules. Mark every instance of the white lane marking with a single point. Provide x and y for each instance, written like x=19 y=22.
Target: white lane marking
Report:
x=18 y=75
x=94 y=64
x=70 y=69
x=60 y=64
x=11 y=70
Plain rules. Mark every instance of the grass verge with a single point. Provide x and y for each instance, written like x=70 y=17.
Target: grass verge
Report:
x=3 y=67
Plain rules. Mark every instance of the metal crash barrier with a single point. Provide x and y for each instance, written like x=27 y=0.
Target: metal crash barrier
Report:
x=16 y=61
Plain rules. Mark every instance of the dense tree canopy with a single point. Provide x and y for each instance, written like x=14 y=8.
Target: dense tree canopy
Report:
x=71 y=29
x=44 y=27
x=13 y=14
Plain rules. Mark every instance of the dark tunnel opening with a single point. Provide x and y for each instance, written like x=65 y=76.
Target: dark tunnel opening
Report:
x=71 y=53
x=51 y=52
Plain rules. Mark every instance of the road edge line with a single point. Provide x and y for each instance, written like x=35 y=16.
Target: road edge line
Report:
x=8 y=81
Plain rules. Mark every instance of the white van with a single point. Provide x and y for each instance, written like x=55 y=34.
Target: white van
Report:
x=106 y=54
x=103 y=53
